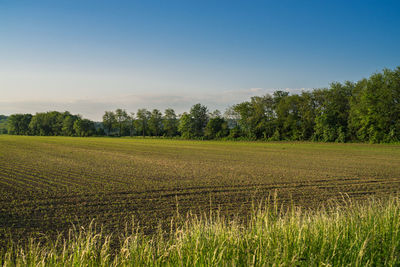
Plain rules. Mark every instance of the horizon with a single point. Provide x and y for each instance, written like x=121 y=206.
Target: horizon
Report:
x=95 y=56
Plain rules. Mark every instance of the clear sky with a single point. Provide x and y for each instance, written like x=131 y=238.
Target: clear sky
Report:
x=90 y=56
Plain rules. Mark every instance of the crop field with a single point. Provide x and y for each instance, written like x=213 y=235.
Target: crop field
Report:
x=48 y=183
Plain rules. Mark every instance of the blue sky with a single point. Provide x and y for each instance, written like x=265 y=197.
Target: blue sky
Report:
x=90 y=56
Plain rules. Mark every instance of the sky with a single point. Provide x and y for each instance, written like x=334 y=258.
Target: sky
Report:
x=90 y=56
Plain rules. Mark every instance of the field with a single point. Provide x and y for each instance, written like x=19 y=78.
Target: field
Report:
x=350 y=234
x=48 y=183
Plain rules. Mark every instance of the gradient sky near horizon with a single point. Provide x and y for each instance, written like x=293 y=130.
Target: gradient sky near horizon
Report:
x=91 y=56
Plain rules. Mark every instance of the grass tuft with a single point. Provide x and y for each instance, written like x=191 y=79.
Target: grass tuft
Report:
x=356 y=234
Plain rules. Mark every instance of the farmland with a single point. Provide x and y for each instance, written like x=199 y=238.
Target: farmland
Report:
x=48 y=183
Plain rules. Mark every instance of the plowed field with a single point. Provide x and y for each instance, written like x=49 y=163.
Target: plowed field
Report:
x=48 y=183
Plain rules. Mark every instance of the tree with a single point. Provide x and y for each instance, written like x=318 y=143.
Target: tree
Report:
x=375 y=108
x=170 y=122
x=186 y=126
x=18 y=124
x=56 y=121
x=367 y=111
x=257 y=118
x=109 y=121
x=199 y=115
x=217 y=127
x=68 y=125
x=289 y=118
x=331 y=121
x=142 y=120
x=100 y=131
x=245 y=113
x=131 y=120
x=48 y=123
x=84 y=127
x=232 y=118
x=279 y=96
x=122 y=119
x=307 y=111
x=155 y=122
x=264 y=118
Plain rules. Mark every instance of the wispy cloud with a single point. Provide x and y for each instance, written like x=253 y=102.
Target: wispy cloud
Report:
x=94 y=108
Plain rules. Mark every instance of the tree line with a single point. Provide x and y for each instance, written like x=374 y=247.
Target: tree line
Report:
x=363 y=111
x=52 y=123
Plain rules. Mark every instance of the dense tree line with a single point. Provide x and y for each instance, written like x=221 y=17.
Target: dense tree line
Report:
x=51 y=123
x=364 y=111
x=197 y=123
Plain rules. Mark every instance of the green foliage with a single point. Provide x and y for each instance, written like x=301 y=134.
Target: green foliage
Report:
x=186 y=126
x=257 y=118
x=375 y=108
x=245 y=114
x=289 y=118
x=68 y=125
x=3 y=124
x=53 y=123
x=142 y=121
x=170 y=123
x=333 y=113
x=131 y=124
x=199 y=115
x=193 y=124
x=49 y=123
x=366 y=111
x=84 y=127
x=217 y=127
x=235 y=133
x=122 y=120
x=18 y=124
x=155 y=123
x=109 y=121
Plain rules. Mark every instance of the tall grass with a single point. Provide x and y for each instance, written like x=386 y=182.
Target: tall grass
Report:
x=356 y=234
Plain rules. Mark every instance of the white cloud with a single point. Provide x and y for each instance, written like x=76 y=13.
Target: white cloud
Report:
x=94 y=108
